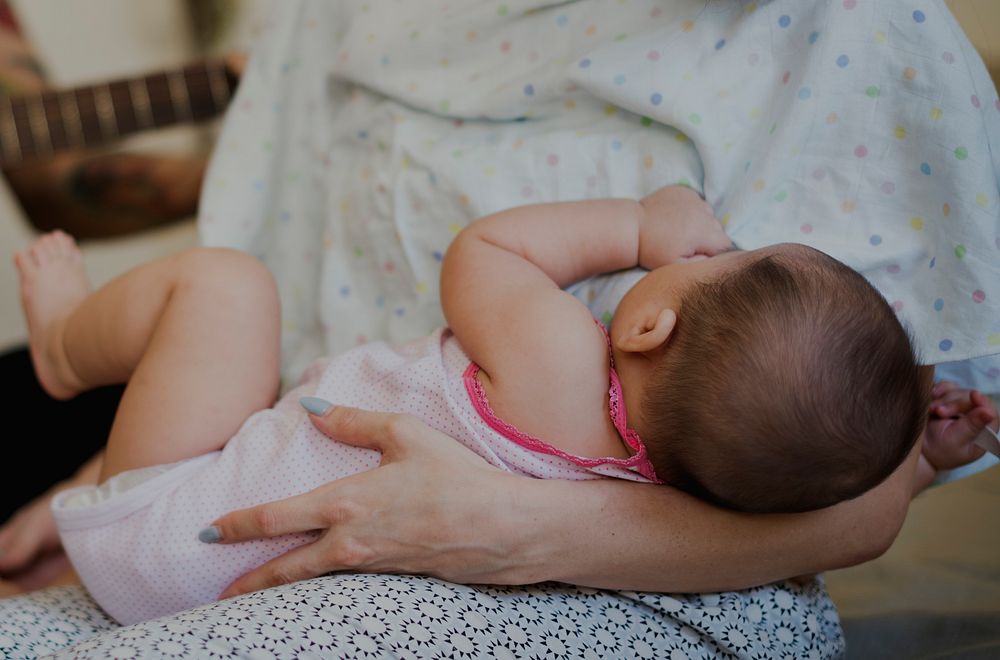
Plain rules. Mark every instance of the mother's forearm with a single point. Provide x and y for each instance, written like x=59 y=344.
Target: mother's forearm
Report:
x=435 y=508
x=613 y=534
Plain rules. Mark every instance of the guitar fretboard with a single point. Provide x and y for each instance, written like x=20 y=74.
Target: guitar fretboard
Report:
x=42 y=124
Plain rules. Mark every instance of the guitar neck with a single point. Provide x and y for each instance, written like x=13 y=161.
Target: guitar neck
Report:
x=38 y=125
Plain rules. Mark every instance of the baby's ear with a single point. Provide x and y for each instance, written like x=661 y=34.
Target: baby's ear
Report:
x=653 y=333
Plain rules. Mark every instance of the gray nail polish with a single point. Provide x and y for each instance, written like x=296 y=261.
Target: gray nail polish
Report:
x=210 y=535
x=316 y=405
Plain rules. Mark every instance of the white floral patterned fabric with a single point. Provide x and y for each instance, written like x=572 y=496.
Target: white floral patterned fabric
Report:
x=377 y=616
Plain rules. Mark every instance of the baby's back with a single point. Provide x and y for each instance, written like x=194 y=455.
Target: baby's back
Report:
x=134 y=540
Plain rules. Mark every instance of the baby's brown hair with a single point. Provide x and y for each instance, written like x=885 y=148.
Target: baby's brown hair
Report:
x=788 y=384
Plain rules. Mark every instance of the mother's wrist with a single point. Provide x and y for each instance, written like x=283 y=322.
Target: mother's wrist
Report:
x=542 y=530
x=521 y=523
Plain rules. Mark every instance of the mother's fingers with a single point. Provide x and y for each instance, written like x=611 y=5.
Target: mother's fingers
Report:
x=388 y=433
x=322 y=507
x=301 y=513
x=412 y=514
x=302 y=563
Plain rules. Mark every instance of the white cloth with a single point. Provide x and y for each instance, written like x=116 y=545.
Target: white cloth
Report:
x=364 y=135
x=869 y=130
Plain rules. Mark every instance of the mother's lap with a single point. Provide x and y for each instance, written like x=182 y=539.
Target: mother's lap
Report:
x=383 y=614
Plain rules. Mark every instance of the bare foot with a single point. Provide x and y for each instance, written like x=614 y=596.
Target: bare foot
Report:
x=53 y=282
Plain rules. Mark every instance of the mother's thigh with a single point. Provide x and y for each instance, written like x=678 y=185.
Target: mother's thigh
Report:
x=378 y=615
x=44 y=622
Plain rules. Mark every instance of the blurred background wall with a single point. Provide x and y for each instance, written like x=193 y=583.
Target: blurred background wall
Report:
x=981 y=21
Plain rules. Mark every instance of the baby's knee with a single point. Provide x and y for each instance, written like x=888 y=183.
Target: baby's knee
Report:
x=235 y=274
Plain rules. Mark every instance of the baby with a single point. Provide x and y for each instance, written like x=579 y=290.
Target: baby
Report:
x=770 y=380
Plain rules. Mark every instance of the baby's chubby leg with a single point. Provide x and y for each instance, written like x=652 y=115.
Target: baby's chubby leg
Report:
x=195 y=335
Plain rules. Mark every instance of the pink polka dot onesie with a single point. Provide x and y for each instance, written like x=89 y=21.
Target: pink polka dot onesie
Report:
x=133 y=540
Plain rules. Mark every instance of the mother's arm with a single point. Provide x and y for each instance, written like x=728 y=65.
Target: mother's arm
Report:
x=433 y=507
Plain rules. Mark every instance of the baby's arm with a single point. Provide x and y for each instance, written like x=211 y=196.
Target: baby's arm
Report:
x=502 y=281
x=520 y=260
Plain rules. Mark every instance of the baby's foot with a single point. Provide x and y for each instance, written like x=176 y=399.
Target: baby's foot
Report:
x=53 y=282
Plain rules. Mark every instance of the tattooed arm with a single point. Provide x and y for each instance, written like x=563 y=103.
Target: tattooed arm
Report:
x=93 y=196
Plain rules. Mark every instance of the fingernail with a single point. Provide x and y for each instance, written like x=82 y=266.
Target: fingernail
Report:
x=210 y=535
x=315 y=405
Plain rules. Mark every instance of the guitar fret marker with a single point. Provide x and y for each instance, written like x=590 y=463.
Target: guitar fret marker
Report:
x=138 y=91
x=105 y=110
x=71 y=118
x=8 y=132
x=218 y=86
x=39 y=125
x=178 y=90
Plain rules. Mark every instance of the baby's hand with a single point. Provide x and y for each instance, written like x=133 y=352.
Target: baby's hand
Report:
x=678 y=225
x=957 y=416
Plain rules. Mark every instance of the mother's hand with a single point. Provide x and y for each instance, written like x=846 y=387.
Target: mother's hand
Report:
x=433 y=507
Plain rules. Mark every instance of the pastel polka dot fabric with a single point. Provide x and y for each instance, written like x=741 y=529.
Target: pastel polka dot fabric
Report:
x=364 y=136
x=868 y=129
x=353 y=154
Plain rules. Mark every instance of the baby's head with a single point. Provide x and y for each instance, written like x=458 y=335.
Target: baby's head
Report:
x=787 y=384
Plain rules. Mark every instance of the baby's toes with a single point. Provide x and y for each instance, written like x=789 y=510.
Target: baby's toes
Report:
x=64 y=244
x=26 y=262
x=43 y=249
x=57 y=241
x=54 y=246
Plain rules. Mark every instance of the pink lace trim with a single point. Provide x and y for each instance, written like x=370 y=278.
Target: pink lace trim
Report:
x=638 y=461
